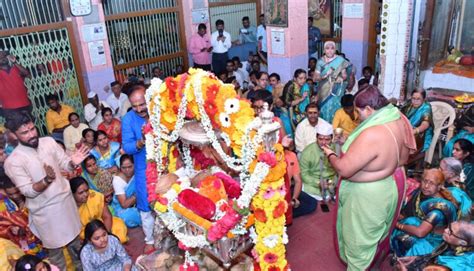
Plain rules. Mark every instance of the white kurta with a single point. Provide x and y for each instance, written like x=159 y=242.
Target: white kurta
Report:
x=53 y=215
x=305 y=133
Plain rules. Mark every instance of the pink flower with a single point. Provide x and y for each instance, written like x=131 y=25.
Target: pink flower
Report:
x=232 y=187
x=268 y=158
x=270 y=257
x=223 y=225
x=182 y=246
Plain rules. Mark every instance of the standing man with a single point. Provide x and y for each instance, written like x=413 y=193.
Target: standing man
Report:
x=93 y=110
x=262 y=36
x=372 y=184
x=13 y=93
x=221 y=43
x=117 y=99
x=248 y=33
x=306 y=129
x=35 y=168
x=200 y=48
x=133 y=143
x=57 y=117
x=314 y=38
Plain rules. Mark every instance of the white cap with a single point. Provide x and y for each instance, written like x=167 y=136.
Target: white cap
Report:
x=324 y=129
x=91 y=94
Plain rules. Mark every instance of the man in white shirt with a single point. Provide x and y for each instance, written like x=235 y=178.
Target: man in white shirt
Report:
x=262 y=36
x=117 y=99
x=93 y=110
x=231 y=71
x=306 y=129
x=221 y=43
x=238 y=68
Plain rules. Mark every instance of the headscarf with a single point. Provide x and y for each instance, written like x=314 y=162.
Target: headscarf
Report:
x=103 y=179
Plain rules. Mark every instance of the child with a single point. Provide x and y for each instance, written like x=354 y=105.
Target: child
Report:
x=103 y=251
x=33 y=263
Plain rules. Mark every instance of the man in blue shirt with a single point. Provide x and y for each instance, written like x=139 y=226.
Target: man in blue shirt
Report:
x=133 y=143
x=314 y=38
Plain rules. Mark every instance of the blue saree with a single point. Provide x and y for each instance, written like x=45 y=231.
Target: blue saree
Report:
x=416 y=117
x=329 y=90
x=448 y=148
x=108 y=159
x=437 y=211
x=130 y=215
x=292 y=115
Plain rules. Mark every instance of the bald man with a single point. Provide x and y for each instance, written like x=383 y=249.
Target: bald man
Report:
x=133 y=143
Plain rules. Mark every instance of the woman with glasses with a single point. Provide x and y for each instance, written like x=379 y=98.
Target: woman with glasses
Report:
x=456 y=253
x=423 y=219
x=419 y=112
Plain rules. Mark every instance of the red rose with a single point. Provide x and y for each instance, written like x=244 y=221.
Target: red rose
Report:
x=232 y=187
x=280 y=209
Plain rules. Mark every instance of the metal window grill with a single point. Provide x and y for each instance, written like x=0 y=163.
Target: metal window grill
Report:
x=139 y=38
x=24 y=13
x=124 y=6
x=232 y=16
x=48 y=57
x=169 y=68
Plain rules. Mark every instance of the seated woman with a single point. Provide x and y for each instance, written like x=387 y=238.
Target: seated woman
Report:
x=91 y=205
x=456 y=253
x=123 y=202
x=424 y=217
x=73 y=133
x=106 y=153
x=465 y=127
x=452 y=168
x=464 y=151
x=103 y=251
x=30 y=262
x=296 y=94
x=91 y=172
x=111 y=126
x=418 y=111
x=89 y=138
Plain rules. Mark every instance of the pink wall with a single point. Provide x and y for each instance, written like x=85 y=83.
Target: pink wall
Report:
x=356 y=29
x=296 y=34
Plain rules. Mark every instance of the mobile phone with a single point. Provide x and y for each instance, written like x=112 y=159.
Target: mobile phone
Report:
x=221 y=33
x=324 y=207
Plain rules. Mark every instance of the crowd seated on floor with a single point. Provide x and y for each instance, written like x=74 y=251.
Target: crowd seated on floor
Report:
x=101 y=169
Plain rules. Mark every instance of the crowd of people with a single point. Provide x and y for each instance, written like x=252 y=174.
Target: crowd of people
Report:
x=71 y=196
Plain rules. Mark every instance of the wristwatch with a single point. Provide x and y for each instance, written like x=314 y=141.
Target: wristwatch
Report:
x=47 y=181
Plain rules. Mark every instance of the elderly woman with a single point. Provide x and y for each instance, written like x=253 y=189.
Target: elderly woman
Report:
x=331 y=74
x=424 y=217
x=418 y=111
x=452 y=168
x=91 y=205
x=296 y=94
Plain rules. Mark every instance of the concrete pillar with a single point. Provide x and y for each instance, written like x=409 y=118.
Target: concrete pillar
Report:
x=394 y=45
x=355 y=36
x=295 y=55
x=190 y=28
x=97 y=78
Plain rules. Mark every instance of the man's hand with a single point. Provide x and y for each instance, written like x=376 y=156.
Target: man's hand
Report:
x=50 y=174
x=295 y=203
x=140 y=143
x=210 y=49
x=79 y=155
x=203 y=49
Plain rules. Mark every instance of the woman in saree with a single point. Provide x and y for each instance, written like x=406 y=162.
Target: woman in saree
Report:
x=423 y=219
x=106 y=153
x=111 y=126
x=296 y=94
x=123 y=202
x=463 y=151
x=419 y=112
x=465 y=128
x=90 y=172
x=331 y=75
x=91 y=205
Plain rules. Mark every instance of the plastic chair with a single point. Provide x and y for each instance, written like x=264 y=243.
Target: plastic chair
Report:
x=443 y=117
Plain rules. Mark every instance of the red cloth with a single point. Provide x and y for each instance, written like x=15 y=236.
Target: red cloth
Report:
x=13 y=92
x=292 y=168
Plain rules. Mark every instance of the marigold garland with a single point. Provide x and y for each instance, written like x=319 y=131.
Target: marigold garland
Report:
x=200 y=96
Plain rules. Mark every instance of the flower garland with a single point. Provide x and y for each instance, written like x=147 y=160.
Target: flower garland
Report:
x=199 y=95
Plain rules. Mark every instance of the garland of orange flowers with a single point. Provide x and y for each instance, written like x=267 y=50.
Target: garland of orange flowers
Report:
x=269 y=207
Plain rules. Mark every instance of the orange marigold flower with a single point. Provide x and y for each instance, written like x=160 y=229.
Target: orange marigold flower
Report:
x=260 y=215
x=280 y=209
x=274 y=268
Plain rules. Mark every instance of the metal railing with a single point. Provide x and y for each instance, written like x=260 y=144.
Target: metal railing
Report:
x=140 y=38
x=24 y=13
x=124 y=6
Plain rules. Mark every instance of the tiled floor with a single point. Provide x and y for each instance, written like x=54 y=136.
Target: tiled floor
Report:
x=311 y=246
